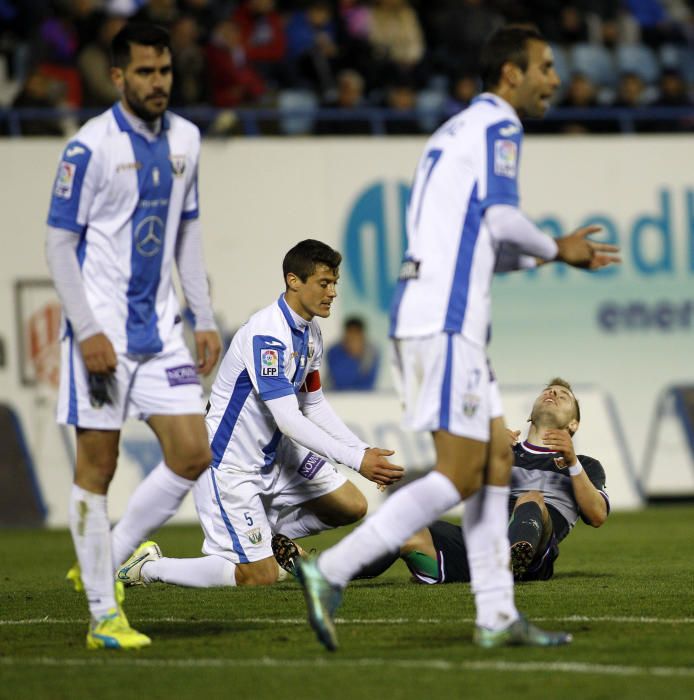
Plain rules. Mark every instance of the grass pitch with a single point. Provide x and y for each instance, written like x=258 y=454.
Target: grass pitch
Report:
x=626 y=591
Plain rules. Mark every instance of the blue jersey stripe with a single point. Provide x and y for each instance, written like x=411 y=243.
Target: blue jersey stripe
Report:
x=242 y=389
x=457 y=302
x=72 y=415
x=445 y=407
x=270 y=452
x=243 y=559
x=155 y=181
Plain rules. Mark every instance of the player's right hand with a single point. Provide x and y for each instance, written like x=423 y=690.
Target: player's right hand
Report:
x=98 y=354
x=578 y=250
x=376 y=467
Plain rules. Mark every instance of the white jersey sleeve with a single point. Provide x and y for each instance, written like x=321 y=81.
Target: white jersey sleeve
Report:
x=74 y=189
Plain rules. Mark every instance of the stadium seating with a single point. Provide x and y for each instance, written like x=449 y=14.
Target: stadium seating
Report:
x=595 y=62
x=638 y=59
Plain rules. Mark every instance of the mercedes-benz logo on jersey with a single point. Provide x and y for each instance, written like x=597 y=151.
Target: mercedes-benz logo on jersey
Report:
x=149 y=236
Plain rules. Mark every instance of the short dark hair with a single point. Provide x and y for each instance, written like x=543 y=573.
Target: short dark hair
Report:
x=355 y=322
x=508 y=44
x=558 y=381
x=302 y=259
x=140 y=33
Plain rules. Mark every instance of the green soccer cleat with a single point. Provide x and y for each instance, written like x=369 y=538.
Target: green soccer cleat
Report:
x=322 y=600
x=519 y=633
x=113 y=631
x=130 y=574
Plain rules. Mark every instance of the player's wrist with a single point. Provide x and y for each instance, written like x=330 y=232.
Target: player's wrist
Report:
x=576 y=468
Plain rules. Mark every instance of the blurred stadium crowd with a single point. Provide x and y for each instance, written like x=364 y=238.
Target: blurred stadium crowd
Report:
x=349 y=66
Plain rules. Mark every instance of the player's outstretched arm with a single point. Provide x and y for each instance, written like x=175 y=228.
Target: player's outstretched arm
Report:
x=376 y=467
x=578 y=250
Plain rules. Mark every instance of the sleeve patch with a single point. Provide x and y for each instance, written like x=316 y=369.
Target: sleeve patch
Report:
x=269 y=362
x=505 y=158
x=65 y=179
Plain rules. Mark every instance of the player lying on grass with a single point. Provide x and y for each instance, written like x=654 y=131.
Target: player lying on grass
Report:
x=271 y=431
x=551 y=487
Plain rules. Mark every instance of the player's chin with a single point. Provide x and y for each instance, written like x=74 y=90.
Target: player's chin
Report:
x=157 y=106
x=323 y=311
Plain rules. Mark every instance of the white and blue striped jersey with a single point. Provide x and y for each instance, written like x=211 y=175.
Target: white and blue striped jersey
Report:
x=469 y=164
x=125 y=197
x=270 y=356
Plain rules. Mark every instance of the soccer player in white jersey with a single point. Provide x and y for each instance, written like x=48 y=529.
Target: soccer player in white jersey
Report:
x=463 y=222
x=124 y=209
x=271 y=430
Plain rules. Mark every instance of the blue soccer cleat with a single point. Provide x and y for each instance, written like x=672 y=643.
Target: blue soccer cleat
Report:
x=519 y=633
x=322 y=600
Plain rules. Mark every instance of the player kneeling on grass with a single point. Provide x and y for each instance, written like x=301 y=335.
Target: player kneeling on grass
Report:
x=551 y=487
x=271 y=431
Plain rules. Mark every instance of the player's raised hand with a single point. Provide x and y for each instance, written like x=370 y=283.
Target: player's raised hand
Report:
x=513 y=436
x=98 y=354
x=578 y=250
x=560 y=441
x=207 y=348
x=376 y=467
x=603 y=255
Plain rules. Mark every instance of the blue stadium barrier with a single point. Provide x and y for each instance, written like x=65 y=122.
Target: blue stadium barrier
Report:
x=253 y=119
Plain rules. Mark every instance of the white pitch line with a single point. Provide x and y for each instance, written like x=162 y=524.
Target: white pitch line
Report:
x=359 y=621
x=332 y=662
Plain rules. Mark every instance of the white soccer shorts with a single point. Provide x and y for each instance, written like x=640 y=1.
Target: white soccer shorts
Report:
x=446 y=383
x=238 y=509
x=162 y=384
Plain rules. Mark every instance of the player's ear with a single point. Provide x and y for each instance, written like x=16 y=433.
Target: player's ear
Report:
x=117 y=77
x=572 y=427
x=293 y=282
x=512 y=73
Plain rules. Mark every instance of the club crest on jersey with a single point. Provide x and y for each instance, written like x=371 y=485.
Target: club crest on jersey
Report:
x=255 y=535
x=178 y=165
x=269 y=363
x=471 y=403
x=66 y=176
x=505 y=158
x=311 y=348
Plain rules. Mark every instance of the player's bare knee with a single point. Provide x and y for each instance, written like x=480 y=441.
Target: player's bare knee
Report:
x=357 y=509
x=192 y=463
x=261 y=573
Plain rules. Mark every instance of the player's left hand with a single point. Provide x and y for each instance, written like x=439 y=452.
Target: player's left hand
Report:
x=560 y=441
x=603 y=255
x=207 y=348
